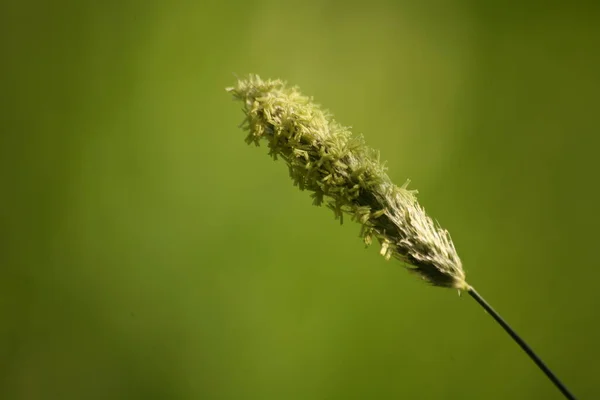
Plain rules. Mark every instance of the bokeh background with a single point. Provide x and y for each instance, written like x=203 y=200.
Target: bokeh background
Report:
x=147 y=252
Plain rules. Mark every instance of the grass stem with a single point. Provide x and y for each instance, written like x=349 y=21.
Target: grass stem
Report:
x=474 y=294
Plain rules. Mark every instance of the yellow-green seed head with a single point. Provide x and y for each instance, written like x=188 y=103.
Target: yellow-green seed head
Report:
x=325 y=158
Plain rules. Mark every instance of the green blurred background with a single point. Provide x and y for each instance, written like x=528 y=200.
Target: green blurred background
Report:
x=148 y=253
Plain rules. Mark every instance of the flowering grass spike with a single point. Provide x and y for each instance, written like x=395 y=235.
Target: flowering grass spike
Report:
x=326 y=159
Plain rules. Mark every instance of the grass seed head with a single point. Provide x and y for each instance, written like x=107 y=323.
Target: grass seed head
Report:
x=324 y=158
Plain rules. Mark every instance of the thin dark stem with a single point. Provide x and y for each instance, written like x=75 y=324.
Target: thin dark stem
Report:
x=521 y=343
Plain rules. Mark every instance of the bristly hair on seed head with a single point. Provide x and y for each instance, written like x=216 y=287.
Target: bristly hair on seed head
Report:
x=324 y=158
